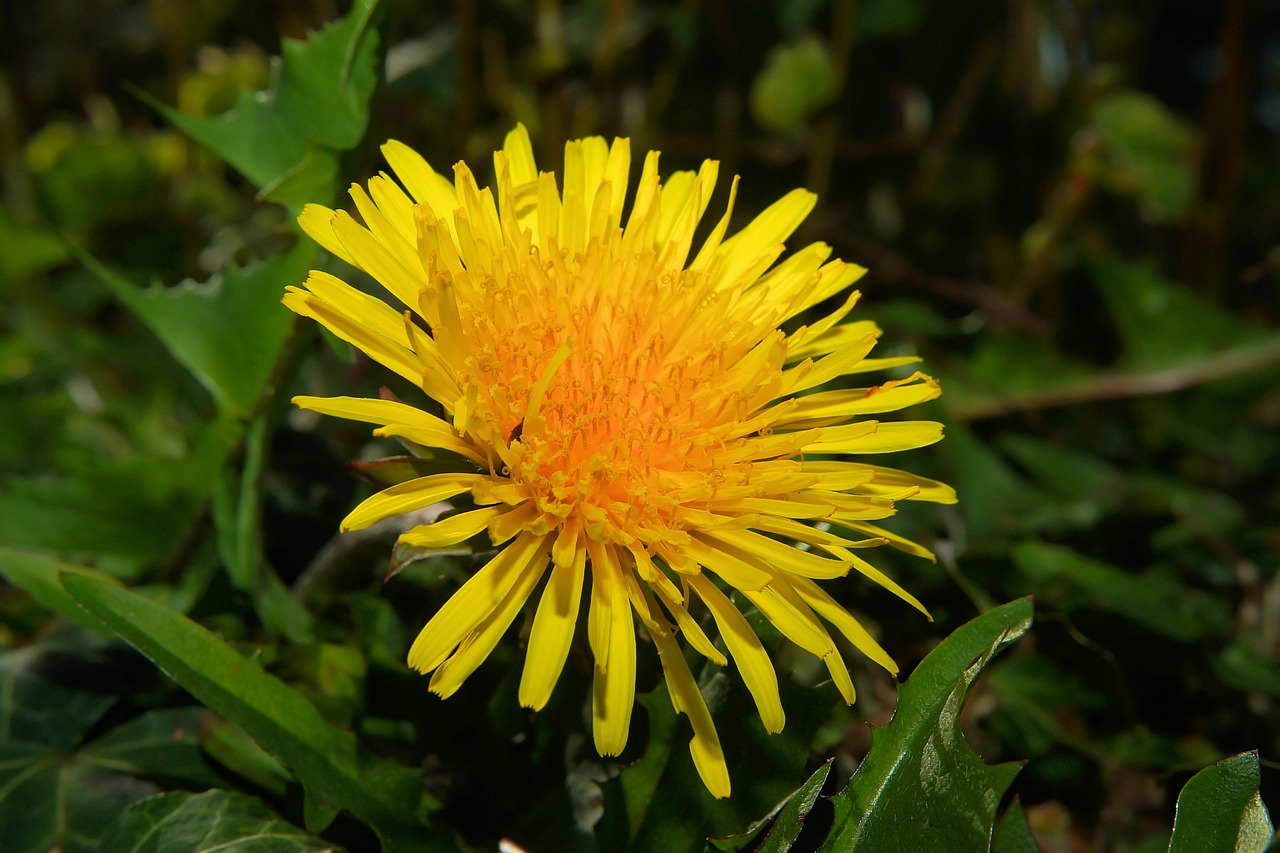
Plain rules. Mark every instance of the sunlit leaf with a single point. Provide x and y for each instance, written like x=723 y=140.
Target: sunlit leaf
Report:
x=228 y=331
x=286 y=139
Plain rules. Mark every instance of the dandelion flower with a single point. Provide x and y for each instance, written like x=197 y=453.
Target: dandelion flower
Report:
x=638 y=428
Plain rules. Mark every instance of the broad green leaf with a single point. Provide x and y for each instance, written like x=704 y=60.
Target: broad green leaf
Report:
x=1154 y=601
x=233 y=748
x=1220 y=809
x=37 y=575
x=214 y=820
x=286 y=139
x=328 y=760
x=922 y=787
x=1148 y=152
x=228 y=331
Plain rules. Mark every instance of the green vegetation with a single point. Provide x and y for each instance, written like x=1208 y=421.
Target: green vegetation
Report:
x=1069 y=210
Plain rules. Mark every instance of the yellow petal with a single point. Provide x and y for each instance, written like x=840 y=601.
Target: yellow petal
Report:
x=451 y=530
x=482 y=639
x=687 y=699
x=887 y=438
x=553 y=627
x=474 y=600
x=747 y=652
x=389 y=353
x=613 y=689
x=844 y=622
x=317 y=221
x=779 y=554
x=774 y=225
x=408 y=496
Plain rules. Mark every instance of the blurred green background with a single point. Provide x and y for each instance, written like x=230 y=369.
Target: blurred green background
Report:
x=1069 y=208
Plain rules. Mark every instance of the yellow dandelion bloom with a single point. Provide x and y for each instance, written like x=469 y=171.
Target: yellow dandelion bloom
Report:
x=632 y=413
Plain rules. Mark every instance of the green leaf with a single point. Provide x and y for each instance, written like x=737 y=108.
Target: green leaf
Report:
x=797 y=79
x=214 y=820
x=1148 y=152
x=162 y=744
x=922 y=787
x=228 y=331
x=1220 y=809
x=328 y=760
x=49 y=796
x=1014 y=835
x=1163 y=323
x=286 y=139
x=136 y=508
x=37 y=575
x=1154 y=601
x=792 y=813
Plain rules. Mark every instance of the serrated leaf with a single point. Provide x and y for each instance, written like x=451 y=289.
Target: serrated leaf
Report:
x=228 y=331
x=1220 y=809
x=328 y=760
x=286 y=138
x=1014 y=835
x=922 y=787
x=214 y=820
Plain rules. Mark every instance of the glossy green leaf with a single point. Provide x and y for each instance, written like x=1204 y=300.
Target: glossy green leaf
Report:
x=328 y=760
x=214 y=820
x=922 y=787
x=286 y=139
x=228 y=331
x=1220 y=809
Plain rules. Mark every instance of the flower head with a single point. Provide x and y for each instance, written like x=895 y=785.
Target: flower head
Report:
x=636 y=421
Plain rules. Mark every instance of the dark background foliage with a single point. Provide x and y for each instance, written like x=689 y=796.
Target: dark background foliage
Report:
x=1069 y=208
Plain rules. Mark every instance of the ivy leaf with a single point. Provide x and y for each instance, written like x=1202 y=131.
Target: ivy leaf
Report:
x=214 y=820
x=922 y=787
